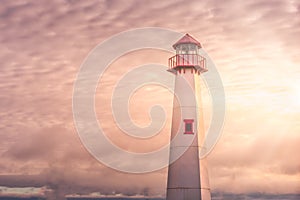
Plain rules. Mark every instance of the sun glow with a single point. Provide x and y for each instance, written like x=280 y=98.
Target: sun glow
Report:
x=293 y=99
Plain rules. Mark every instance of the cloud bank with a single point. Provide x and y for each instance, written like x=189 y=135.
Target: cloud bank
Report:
x=254 y=45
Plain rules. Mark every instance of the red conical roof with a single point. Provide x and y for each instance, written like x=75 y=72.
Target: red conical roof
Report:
x=187 y=39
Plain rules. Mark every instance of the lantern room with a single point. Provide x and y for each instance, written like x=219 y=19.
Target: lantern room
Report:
x=187 y=57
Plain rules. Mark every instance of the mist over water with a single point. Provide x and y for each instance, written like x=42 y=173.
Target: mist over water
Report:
x=215 y=196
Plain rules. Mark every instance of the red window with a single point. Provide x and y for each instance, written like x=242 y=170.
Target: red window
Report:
x=188 y=126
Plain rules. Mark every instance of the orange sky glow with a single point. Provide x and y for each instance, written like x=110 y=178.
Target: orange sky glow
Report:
x=254 y=45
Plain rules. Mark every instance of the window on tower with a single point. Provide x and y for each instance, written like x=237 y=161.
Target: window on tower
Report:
x=188 y=126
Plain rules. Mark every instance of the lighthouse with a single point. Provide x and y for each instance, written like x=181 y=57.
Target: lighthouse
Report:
x=187 y=174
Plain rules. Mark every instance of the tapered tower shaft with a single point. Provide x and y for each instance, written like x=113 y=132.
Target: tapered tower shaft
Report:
x=187 y=175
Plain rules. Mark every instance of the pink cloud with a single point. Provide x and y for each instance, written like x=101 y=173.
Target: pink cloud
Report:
x=253 y=43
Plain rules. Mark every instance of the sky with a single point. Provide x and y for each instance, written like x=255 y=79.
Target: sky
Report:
x=253 y=43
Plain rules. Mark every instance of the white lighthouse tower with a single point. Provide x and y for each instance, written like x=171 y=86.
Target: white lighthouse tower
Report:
x=187 y=174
